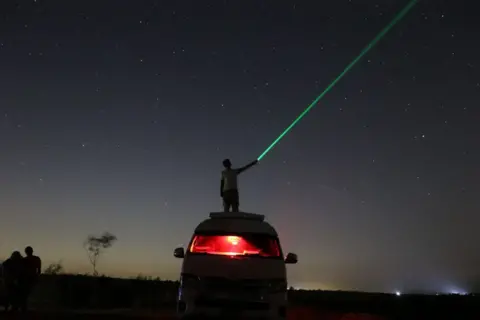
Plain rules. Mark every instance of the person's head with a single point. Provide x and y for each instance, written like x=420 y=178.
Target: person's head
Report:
x=227 y=164
x=16 y=255
x=29 y=251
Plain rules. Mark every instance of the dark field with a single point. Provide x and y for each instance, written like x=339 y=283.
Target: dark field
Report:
x=83 y=297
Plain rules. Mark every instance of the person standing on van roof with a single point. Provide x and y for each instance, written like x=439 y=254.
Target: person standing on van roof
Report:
x=229 y=187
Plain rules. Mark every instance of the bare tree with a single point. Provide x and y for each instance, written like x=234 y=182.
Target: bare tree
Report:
x=54 y=269
x=95 y=246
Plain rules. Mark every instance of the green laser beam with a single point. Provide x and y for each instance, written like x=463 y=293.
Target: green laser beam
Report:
x=382 y=33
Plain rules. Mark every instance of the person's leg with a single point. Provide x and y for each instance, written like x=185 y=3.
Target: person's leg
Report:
x=226 y=205
x=235 y=201
x=8 y=296
x=24 y=294
x=229 y=200
x=14 y=296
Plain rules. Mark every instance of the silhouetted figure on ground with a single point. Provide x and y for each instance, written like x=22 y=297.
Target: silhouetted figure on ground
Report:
x=229 y=186
x=33 y=269
x=3 y=298
x=13 y=274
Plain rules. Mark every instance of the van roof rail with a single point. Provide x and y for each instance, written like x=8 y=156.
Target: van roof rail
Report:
x=237 y=215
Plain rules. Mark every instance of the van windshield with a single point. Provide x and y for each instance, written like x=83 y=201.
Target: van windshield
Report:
x=259 y=245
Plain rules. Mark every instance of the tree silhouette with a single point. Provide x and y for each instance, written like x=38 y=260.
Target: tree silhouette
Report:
x=95 y=246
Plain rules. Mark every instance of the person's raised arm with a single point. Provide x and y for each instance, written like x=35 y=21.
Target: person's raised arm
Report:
x=248 y=166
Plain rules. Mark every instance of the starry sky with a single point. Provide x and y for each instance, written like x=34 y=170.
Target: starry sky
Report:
x=116 y=116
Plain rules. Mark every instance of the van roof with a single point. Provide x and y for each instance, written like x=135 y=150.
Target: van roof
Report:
x=236 y=222
x=237 y=215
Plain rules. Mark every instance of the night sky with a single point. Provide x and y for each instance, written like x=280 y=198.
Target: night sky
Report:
x=116 y=116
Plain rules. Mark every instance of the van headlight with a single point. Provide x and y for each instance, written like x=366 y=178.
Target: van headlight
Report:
x=279 y=285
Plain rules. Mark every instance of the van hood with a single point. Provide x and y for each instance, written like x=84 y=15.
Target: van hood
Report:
x=234 y=267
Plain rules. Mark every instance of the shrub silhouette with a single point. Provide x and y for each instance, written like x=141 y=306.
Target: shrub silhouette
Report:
x=54 y=269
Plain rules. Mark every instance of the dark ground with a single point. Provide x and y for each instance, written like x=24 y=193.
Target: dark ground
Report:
x=84 y=297
x=294 y=314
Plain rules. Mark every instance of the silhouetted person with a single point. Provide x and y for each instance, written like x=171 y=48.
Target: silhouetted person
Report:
x=13 y=274
x=3 y=297
x=33 y=269
x=229 y=186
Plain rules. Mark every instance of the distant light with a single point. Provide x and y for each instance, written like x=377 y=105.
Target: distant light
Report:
x=456 y=291
x=398 y=293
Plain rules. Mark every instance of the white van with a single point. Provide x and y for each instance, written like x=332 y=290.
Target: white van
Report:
x=233 y=266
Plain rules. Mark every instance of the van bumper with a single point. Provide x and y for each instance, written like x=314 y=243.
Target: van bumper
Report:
x=227 y=309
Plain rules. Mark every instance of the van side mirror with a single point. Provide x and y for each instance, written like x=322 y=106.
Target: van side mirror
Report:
x=179 y=253
x=291 y=258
